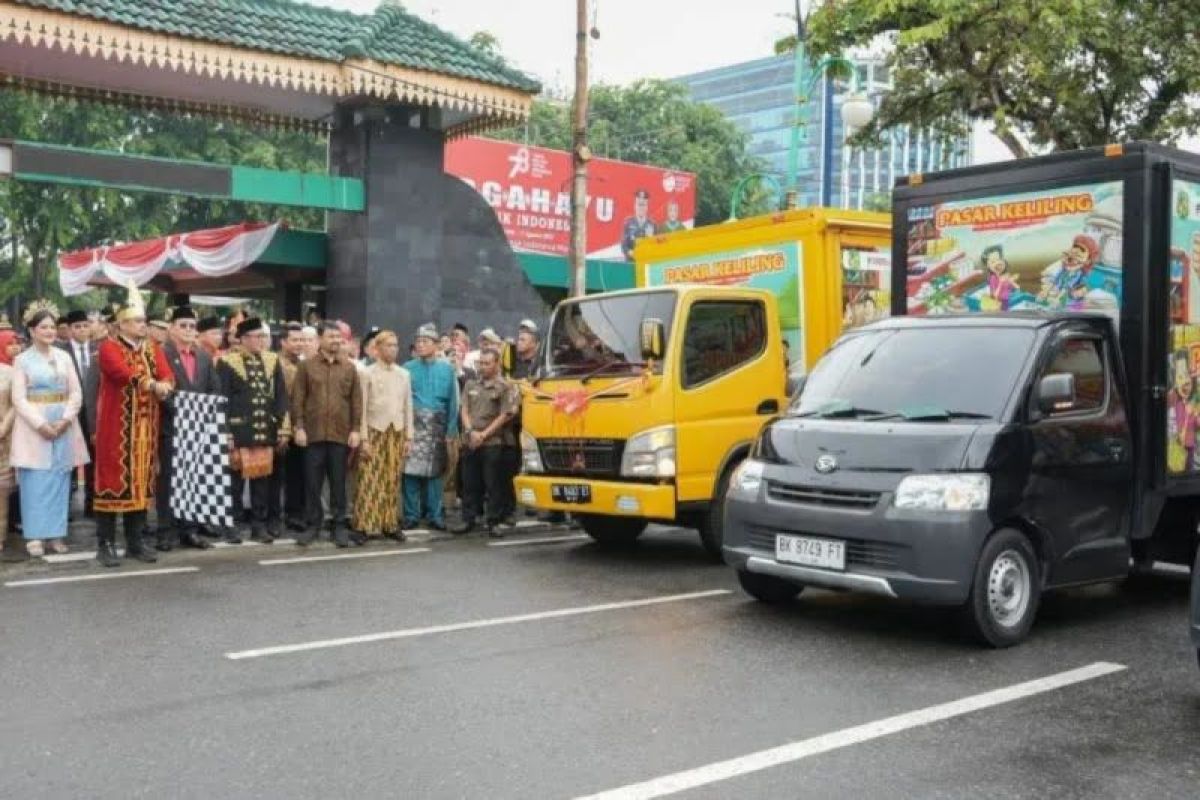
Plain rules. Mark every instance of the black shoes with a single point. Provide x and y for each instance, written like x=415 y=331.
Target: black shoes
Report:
x=190 y=539
x=232 y=536
x=494 y=532
x=437 y=526
x=167 y=540
x=106 y=554
x=463 y=528
x=141 y=553
x=398 y=536
x=340 y=537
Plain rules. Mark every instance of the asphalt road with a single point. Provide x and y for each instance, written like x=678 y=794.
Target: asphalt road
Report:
x=560 y=670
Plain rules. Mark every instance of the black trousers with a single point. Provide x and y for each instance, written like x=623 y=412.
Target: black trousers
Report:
x=260 y=500
x=508 y=493
x=134 y=521
x=294 y=491
x=162 y=488
x=325 y=461
x=484 y=472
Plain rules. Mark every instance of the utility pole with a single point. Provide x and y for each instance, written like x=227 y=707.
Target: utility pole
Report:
x=580 y=155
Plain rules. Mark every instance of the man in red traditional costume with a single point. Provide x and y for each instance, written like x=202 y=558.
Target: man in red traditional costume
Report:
x=134 y=378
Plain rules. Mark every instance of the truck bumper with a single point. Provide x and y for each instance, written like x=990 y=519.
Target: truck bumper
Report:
x=925 y=557
x=611 y=498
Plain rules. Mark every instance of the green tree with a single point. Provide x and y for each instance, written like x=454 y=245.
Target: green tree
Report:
x=1051 y=74
x=656 y=123
x=41 y=220
x=487 y=43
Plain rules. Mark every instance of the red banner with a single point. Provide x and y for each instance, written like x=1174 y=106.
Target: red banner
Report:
x=530 y=190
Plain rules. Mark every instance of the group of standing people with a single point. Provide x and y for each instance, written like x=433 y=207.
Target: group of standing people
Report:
x=308 y=426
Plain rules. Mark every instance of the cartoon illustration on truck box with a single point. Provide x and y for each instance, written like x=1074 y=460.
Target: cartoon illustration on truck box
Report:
x=999 y=253
x=1001 y=283
x=1065 y=281
x=1181 y=424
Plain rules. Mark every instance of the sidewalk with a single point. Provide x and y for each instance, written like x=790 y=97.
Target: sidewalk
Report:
x=81 y=539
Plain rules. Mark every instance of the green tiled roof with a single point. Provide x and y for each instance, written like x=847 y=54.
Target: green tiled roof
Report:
x=391 y=35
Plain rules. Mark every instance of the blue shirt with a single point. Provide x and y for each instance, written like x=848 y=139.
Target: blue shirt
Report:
x=435 y=387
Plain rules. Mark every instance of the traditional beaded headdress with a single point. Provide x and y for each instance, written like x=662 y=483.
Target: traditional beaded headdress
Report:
x=134 y=305
x=38 y=306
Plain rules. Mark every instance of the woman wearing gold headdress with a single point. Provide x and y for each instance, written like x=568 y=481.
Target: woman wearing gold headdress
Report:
x=47 y=442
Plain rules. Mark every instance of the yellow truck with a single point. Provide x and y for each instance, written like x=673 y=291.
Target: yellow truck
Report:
x=646 y=399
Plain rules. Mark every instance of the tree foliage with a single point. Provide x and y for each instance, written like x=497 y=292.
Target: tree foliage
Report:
x=37 y=221
x=1050 y=74
x=656 y=123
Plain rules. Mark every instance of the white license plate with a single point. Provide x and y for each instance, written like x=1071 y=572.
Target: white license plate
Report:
x=825 y=553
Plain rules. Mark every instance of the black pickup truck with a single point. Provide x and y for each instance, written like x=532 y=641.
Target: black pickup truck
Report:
x=1028 y=419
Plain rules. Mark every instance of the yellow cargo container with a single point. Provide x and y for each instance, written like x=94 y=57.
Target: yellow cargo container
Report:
x=829 y=269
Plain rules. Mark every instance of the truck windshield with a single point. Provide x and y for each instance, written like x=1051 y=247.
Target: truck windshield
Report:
x=917 y=374
x=603 y=335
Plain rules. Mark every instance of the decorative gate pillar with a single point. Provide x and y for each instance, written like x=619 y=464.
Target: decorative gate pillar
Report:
x=427 y=248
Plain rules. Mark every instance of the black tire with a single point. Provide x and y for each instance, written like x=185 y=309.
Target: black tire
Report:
x=712 y=524
x=611 y=531
x=1005 y=592
x=767 y=588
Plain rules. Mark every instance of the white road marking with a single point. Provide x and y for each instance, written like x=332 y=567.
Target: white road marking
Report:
x=271 y=562
x=407 y=633
x=101 y=576
x=788 y=753
x=530 y=523
x=575 y=537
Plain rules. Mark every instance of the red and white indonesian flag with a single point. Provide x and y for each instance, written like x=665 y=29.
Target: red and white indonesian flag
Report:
x=213 y=253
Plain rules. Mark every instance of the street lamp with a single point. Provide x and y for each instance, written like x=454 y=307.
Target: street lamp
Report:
x=744 y=183
x=857 y=109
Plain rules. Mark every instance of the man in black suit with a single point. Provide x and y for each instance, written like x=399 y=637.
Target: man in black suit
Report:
x=82 y=350
x=194 y=372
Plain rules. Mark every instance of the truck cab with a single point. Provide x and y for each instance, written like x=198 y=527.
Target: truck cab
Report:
x=646 y=400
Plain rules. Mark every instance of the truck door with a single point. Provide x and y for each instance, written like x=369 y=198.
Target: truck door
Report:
x=1081 y=485
x=727 y=390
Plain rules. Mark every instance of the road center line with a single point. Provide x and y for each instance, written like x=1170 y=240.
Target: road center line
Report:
x=788 y=753
x=271 y=562
x=407 y=633
x=101 y=576
x=575 y=537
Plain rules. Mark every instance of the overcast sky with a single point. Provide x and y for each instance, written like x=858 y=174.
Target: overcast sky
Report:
x=638 y=38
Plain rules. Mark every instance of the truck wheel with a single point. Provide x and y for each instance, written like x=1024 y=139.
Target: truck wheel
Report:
x=1005 y=592
x=612 y=531
x=767 y=588
x=712 y=524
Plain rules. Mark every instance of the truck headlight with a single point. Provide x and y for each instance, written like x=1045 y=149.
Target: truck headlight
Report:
x=747 y=477
x=531 y=457
x=650 y=454
x=965 y=492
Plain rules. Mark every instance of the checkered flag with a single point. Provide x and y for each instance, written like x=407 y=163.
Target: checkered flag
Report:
x=201 y=485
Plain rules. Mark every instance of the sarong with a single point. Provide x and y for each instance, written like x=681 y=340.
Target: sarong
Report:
x=377 y=499
x=428 y=456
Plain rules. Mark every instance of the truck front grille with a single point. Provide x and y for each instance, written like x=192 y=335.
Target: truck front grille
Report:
x=829 y=498
x=859 y=552
x=592 y=457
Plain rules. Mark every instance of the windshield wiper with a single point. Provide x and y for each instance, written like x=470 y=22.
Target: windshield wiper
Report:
x=929 y=413
x=836 y=410
x=609 y=365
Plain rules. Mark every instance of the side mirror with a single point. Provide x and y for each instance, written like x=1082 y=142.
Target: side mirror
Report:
x=1056 y=393
x=508 y=358
x=653 y=335
x=795 y=385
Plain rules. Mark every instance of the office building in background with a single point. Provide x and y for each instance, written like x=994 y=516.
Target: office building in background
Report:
x=758 y=96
